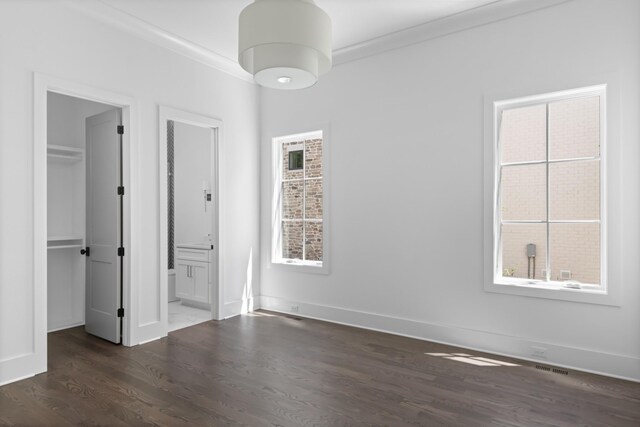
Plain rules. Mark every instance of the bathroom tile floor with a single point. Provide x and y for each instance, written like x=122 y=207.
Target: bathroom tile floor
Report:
x=182 y=316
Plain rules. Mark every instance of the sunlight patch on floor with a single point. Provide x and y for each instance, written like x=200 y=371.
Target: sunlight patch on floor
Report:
x=472 y=360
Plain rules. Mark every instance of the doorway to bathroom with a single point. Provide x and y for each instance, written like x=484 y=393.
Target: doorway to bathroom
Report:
x=189 y=218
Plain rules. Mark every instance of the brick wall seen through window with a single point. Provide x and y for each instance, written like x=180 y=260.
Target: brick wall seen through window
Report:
x=301 y=195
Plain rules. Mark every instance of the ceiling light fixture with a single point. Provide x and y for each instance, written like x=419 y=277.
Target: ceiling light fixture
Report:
x=285 y=44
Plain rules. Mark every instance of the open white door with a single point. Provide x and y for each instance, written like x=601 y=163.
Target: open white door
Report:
x=104 y=226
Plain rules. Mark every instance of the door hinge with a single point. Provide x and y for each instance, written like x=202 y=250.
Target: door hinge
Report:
x=120 y=130
x=120 y=251
x=121 y=191
x=121 y=312
x=85 y=251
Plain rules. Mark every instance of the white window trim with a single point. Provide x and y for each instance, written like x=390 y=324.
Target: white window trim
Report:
x=276 y=143
x=606 y=293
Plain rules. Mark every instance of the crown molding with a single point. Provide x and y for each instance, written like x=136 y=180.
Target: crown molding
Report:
x=137 y=27
x=498 y=10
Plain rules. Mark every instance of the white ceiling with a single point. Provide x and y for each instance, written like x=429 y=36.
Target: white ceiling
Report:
x=213 y=24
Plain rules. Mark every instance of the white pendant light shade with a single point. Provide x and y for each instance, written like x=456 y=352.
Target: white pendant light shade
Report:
x=285 y=44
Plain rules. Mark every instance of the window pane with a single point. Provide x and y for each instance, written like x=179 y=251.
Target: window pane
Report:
x=286 y=172
x=575 y=252
x=292 y=239
x=313 y=158
x=523 y=134
x=313 y=201
x=523 y=192
x=574 y=128
x=292 y=198
x=574 y=190
x=515 y=238
x=296 y=160
x=313 y=240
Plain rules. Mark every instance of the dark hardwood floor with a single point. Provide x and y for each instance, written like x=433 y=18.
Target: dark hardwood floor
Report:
x=270 y=370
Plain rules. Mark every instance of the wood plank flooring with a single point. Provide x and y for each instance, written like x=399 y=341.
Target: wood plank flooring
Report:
x=270 y=370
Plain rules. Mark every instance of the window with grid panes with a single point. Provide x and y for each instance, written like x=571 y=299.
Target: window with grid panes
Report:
x=549 y=198
x=298 y=234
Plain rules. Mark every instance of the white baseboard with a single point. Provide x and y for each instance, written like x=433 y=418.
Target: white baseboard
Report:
x=149 y=340
x=196 y=304
x=232 y=309
x=613 y=365
x=63 y=327
x=13 y=380
x=241 y=306
x=20 y=367
x=147 y=332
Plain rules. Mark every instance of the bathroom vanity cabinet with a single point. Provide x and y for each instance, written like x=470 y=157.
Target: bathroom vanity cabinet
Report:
x=194 y=272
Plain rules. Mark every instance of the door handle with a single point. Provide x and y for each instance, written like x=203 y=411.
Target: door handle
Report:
x=85 y=251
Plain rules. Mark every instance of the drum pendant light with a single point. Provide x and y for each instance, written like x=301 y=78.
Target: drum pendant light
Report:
x=285 y=44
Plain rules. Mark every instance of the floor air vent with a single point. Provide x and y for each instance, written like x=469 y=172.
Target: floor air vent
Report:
x=554 y=370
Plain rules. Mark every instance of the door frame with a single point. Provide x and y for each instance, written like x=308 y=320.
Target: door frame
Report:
x=42 y=85
x=166 y=113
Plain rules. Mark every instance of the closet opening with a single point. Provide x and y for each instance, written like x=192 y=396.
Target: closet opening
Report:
x=85 y=216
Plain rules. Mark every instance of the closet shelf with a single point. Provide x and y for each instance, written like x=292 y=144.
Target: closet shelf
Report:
x=64 y=242
x=60 y=152
x=78 y=246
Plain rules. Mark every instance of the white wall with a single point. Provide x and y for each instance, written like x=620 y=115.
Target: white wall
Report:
x=47 y=37
x=407 y=136
x=66 y=119
x=192 y=165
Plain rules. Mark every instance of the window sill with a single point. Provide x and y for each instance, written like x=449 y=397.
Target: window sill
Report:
x=552 y=290
x=301 y=267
